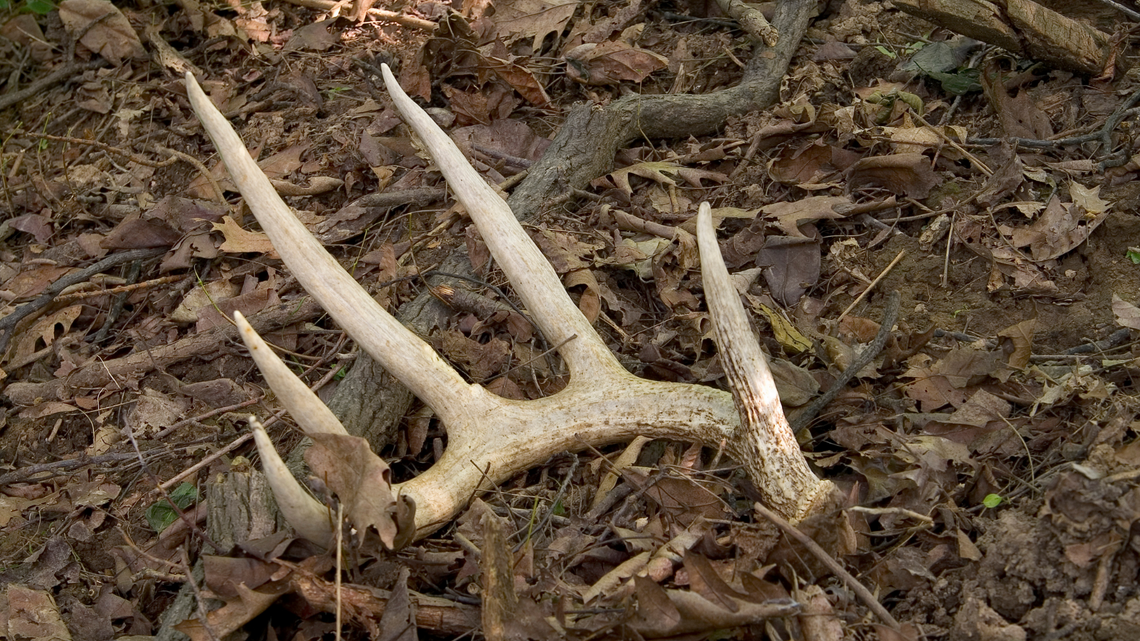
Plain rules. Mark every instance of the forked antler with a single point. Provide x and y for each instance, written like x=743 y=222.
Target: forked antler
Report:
x=491 y=439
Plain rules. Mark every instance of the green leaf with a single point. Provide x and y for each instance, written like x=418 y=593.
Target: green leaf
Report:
x=161 y=514
x=992 y=500
x=41 y=7
x=1133 y=254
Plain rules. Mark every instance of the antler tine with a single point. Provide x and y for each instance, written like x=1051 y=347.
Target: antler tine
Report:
x=399 y=350
x=304 y=406
x=306 y=514
x=789 y=485
x=528 y=270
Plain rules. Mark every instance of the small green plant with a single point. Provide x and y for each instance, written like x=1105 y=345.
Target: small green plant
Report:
x=992 y=500
x=1133 y=254
x=39 y=7
x=161 y=514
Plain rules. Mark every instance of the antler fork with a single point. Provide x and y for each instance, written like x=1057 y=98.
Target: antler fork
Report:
x=491 y=439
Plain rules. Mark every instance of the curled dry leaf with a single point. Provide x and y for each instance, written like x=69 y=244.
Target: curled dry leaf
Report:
x=111 y=37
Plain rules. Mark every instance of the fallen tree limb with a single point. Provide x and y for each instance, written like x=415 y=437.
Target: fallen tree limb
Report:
x=1024 y=28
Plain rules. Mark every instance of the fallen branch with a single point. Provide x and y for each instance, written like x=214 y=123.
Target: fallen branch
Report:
x=1022 y=27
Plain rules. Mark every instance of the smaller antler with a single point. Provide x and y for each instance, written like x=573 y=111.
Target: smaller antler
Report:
x=491 y=439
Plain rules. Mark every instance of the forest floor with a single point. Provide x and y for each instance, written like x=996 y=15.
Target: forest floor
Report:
x=989 y=452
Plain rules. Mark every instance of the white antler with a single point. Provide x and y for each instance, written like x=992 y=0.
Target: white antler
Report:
x=491 y=439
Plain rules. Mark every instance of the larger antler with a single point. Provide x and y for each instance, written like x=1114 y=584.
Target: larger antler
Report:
x=491 y=439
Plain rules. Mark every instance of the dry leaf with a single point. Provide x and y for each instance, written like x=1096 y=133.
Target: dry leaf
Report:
x=112 y=37
x=360 y=479
x=241 y=241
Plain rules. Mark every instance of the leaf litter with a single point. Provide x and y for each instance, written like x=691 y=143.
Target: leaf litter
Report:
x=1009 y=374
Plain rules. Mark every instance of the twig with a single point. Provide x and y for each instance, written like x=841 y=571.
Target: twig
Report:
x=878 y=278
x=858 y=588
x=390 y=16
x=102 y=146
x=121 y=289
x=1104 y=135
x=812 y=409
x=201 y=417
x=203 y=615
x=553 y=505
x=55 y=77
x=9 y=322
x=183 y=516
x=178 y=478
x=751 y=20
x=1131 y=13
x=59 y=467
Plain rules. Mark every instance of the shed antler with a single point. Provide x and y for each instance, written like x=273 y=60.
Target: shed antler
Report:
x=491 y=439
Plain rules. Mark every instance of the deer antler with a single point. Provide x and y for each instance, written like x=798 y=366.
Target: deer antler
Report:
x=491 y=439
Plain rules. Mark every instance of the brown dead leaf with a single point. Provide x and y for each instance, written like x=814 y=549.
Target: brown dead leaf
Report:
x=533 y=20
x=234 y=614
x=653 y=604
x=241 y=241
x=704 y=580
x=792 y=267
x=966 y=548
x=1059 y=230
x=790 y=215
x=398 y=622
x=39 y=227
x=590 y=303
x=521 y=79
x=24 y=31
x=45 y=330
x=818 y=619
x=1008 y=177
x=1020 y=336
x=908 y=174
x=186 y=214
x=510 y=136
x=360 y=479
x=140 y=232
x=610 y=63
x=313 y=37
x=225 y=574
x=32 y=282
x=808 y=163
x=32 y=614
x=111 y=37
x=1127 y=314
x=481 y=360
x=981 y=408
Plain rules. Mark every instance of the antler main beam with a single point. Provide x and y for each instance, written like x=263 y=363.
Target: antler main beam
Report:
x=491 y=439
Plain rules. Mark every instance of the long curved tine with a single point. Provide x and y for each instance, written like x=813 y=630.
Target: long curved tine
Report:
x=528 y=270
x=308 y=517
x=401 y=352
x=304 y=406
x=790 y=487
